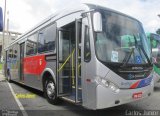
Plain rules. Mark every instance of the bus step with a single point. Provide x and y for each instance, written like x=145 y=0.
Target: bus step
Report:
x=79 y=77
x=64 y=77
x=70 y=76
x=71 y=99
x=79 y=88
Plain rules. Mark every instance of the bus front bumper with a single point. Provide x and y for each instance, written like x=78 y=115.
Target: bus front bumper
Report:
x=107 y=98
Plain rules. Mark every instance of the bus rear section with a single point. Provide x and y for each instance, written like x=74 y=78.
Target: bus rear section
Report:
x=91 y=56
x=154 y=43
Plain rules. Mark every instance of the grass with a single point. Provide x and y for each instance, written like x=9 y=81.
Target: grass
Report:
x=0 y=66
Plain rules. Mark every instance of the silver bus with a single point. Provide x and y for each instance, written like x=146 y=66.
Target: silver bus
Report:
x=89 y=55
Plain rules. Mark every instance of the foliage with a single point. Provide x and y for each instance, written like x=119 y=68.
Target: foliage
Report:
x=0 y=66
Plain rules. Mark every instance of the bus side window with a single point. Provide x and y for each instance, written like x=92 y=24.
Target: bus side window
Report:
x=31 y=46
x=10 y=53
x=46 y=39
x=87 y=51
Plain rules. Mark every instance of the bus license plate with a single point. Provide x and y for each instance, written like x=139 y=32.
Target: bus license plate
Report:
x=137 y=95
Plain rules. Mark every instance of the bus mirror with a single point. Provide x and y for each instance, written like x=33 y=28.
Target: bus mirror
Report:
x=97 y=22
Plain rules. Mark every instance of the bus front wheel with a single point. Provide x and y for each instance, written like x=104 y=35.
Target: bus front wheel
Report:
x=50 y=91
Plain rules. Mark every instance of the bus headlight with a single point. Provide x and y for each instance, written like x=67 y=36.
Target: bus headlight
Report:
x=113 y=87
x=105 y=83
x=108 y=84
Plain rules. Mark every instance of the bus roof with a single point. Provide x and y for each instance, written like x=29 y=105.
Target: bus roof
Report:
x=59 y=14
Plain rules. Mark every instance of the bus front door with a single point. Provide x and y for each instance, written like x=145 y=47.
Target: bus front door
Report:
x=69 y=62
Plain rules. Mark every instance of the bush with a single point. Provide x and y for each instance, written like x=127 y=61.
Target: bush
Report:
x=0 y=66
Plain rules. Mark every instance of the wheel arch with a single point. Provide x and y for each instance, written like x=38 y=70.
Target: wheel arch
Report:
x=46 y=73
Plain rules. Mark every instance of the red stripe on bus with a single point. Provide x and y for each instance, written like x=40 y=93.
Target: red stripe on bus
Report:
x=34 y=64
x=133 y=86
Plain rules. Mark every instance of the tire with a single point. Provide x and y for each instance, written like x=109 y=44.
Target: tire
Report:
x=50 y=91
x=8 y=76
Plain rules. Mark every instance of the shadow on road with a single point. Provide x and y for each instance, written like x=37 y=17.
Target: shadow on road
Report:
x=157 y=89
x=30 y=89
x=80 y=111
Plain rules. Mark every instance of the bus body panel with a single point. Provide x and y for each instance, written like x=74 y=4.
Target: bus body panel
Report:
x=124 y=96
x=14 y=61
x=127 y=87
x=128 y=84
x=35 y=67
x=89 y=74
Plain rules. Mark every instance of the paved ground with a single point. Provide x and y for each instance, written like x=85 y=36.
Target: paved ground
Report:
x=39 y=106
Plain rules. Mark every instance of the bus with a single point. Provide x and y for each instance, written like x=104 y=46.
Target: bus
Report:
x=154 y=43
x=81 y=55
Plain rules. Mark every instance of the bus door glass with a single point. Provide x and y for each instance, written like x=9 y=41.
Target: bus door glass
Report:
x=21 y=61
x=63 y=68
x=69 y=61
x=6 y=62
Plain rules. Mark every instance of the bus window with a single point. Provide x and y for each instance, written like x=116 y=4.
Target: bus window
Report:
x=87 y=51
x=46 y=40
x=31 y=47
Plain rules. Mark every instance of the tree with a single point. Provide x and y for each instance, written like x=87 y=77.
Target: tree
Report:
x=158 y=31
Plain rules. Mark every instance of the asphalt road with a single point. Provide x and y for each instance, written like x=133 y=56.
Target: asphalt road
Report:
x=38 y=106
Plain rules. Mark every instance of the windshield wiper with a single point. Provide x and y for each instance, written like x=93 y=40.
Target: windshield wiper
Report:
x=144 y=52
x=126 y=59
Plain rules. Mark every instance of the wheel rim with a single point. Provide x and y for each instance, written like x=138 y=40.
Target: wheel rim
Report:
x=50 y=89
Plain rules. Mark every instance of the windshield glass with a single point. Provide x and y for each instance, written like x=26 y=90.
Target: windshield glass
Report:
x=122 y=40
x=155 y=43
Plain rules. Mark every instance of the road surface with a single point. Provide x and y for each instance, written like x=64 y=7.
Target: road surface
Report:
x=13 y=103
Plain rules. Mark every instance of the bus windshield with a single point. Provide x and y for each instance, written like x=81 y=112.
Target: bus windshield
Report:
x=122 y=40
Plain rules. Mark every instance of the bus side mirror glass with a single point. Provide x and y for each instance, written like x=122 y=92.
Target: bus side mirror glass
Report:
x=97 y=22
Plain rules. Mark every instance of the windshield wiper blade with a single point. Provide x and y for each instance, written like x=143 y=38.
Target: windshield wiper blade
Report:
x=126 y=59
x=144 y=52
